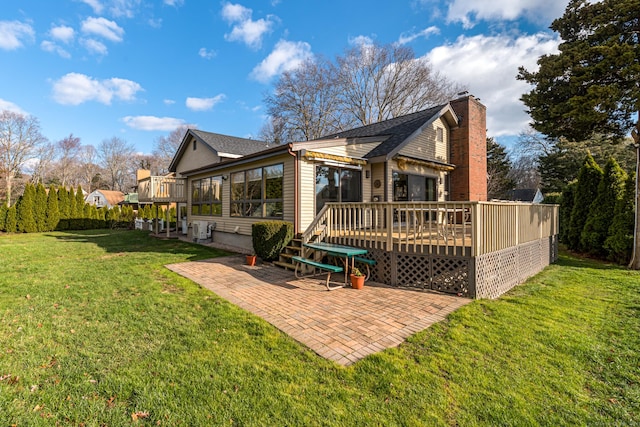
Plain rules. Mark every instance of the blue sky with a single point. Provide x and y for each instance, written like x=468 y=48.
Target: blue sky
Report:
x=136 y=69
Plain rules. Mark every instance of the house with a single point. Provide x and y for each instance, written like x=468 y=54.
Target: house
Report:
x=411 y=189
x=104 y=198
x=529 y=195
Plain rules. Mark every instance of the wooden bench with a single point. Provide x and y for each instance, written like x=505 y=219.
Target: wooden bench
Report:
x=320 y=266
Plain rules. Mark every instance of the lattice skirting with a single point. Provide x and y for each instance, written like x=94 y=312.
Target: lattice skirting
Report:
x=497 y=272
x=486 y=276
x=423 y=271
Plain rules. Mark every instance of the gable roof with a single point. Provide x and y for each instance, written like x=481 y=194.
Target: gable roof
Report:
x=112 y=197
x=394 y=132
x=222 y=145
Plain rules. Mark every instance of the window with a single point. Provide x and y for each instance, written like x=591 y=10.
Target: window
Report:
x=439 y=135
x=335 y=184
x=194 y=144
x=206 y=196
x=414 y=188
x=258 y=192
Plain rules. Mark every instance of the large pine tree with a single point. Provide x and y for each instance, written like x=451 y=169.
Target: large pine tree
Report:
x=591 y=85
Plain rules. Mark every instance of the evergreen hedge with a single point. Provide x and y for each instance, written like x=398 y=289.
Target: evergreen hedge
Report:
x=610 y=191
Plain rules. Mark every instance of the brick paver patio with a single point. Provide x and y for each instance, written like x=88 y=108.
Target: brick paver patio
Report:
x=343 y=325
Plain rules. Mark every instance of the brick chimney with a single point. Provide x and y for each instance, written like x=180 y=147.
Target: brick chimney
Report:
x=469 y=151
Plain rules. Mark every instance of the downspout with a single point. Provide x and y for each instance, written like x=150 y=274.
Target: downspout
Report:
x=296 y=182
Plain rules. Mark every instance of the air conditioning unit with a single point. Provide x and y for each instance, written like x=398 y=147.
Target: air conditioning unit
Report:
x=202 y=230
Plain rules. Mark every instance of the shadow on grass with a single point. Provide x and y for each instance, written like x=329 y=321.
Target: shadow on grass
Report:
x=570 y=259
x=118 y=241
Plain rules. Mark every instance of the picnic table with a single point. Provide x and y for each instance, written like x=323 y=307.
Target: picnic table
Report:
x=348 y=253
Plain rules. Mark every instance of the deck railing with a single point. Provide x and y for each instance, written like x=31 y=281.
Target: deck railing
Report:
x=463 y=228
x=162 y=189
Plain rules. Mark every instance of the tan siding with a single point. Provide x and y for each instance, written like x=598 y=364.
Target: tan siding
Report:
x=352 y=150
x=366 y=183
x=194 y=159
x=377 y=174
x=226 y=223
x=424 y=145
x=307 y=193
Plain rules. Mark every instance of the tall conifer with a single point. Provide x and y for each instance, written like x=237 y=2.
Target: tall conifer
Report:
x=40 y=207
x=53 y=212
x=586 y=192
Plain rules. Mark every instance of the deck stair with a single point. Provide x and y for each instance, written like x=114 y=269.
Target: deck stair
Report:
x=296 y=248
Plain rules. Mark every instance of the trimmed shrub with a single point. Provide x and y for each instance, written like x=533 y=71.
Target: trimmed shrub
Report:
x=586 y=191
x=270 y=237
x=610 y=191
x=619 y=244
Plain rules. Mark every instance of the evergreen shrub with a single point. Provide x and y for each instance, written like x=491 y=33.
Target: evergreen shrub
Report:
x=270 y=237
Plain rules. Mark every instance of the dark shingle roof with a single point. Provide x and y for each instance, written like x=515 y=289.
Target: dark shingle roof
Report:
x=230 y=144
x=397 y=129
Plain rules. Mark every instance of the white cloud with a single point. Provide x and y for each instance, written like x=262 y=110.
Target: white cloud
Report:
x=175 y=3
x=169 y=102
x=10 y=106
x=488 y=66
x=469 y=11
x=360 y=41
x=285 y=56
x=207 y=54
x=152 y=123
x=50 y=46
x=95 y=5
x=409 y=37
x=245 y=29
x=62 y=33
x=203 y=104
x=104 y=28
x=75 y=89
x=95 y=46
x=13 y=34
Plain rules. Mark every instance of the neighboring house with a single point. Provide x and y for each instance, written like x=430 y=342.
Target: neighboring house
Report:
x=412 y=190
x=527 y=195
x=104 y=198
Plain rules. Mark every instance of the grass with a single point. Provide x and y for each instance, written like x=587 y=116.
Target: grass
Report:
x=94 y=331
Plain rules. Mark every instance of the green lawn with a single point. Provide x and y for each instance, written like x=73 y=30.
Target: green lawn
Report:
x=94 y=331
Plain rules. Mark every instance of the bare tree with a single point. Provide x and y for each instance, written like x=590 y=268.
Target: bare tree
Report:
x=40 y=166
x=167 y=146
x=305 y=104
x=19 y=139
x=273 y=131
x=116 y=156
x=88 y=166
x=67 y=164
x=378 y=82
